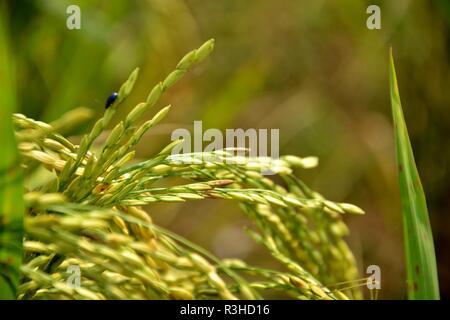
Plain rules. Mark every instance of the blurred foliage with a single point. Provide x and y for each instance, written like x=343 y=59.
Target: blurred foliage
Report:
x=310 y=68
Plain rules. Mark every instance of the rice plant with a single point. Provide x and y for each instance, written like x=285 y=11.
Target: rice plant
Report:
x=84 y=210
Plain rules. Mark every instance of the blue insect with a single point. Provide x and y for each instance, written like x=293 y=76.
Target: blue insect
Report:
x=111 y=99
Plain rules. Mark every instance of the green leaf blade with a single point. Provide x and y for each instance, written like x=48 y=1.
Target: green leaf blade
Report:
x=422 y=277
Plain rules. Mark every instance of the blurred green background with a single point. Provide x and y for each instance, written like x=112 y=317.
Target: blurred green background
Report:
x=310 y=68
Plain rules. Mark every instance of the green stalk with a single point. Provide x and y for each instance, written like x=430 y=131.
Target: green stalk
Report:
x=422 y=277
x=11 y=185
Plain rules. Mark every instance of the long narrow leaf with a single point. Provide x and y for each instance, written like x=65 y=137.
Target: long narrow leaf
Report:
x=422 y=278
x=11 y=186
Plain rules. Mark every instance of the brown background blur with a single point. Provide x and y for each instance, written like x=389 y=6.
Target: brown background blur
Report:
x=310 y=68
